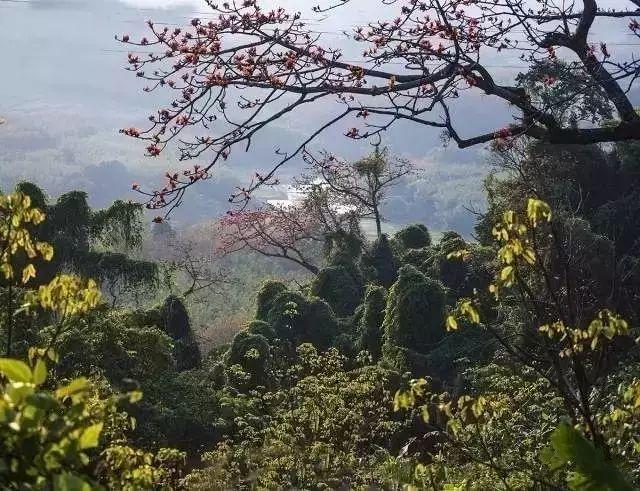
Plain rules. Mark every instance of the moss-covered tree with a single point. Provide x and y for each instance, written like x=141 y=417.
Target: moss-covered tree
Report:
x=297 y=319
x=413 y=317
x=266 y=295
x=370 y=323
x=177 y=325
x=381 y=261
x=252 y=353
x=341 y=286
x=415 y=236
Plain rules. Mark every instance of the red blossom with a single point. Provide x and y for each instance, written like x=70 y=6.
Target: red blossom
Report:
x=411 y=69
x=353 y=133
x=153 y=150
x=134 y=132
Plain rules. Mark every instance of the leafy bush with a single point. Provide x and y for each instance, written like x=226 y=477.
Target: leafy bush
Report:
x=414 y=236
x=370 y=325
x=67 y=438
x=252 y=353
x=326 y=437
x=381 y=258
x=47 y=437
x=341 y=287
x=297 y=319
x=268 y=292
x=176 y=323
x=413 y=318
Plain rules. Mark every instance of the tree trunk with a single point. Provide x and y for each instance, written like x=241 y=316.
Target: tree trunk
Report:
x=376 y=215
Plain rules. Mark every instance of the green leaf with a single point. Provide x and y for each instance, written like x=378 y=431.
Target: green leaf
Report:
x=18 y=392
x=591 y=470
x=6 y=413
x=15 y=370
x=78 y=385
x=90 y=436
x=135 y=396
x=425 y=413
x=40 y=372
x=42 y=400
x=71 y=482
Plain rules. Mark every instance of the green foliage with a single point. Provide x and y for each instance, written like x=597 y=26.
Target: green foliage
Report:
x=381 y=258
x=37 y=195
x=591 y=471
x=342 y=248
x=297 y=319
x=268 y=292
x=252 y=353
x=294 y=402
x=420 y=258
x=491 y=439
x=75 y=232
x=261 y=328
x=415 y=236
x=180 y=409
x=120 y=225
x=127 y=348
x=322 y=432
x=413 y=318
x=340 y=286
x=69 y=221
x=49 y=436
x=129 y=469
x=176 y=323
x=459 y=351
x=461 y=267
x=370 y=325
x=118 y=273
x=115 y=343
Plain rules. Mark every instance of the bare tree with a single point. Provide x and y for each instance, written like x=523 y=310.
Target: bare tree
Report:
x=363 y=184
x=200 y=271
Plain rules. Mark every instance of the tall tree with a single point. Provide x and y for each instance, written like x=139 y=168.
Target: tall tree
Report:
x=362 y=185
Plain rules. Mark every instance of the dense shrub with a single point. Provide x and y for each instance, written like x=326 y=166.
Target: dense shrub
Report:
x=420 y=258
x=297 y=319
x=262 y=328
x=370 y=323
x=414 y=315
x=329 y=436
x=176 y=323
x=252 y=353
x=266 y=295
x=381 y=258
x=341 y=287
x=414 y=236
